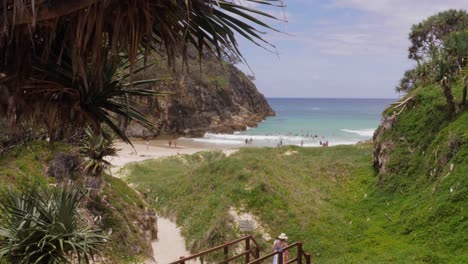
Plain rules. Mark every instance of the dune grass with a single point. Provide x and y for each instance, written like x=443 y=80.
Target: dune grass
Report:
x=326 y=197
x=331 y=198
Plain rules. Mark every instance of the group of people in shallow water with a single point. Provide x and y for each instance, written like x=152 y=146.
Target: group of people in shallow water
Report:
x=324 y=143
x=248 y=141
x=306 y=135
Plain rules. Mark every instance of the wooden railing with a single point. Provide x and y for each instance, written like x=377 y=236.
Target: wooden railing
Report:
x=300 y=256
x=252 y=249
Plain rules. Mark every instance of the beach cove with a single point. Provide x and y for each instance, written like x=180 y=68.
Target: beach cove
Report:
x=170 y=244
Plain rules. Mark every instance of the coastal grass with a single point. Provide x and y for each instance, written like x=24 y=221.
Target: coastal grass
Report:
x=26 y=164
x=326 y=197
x=118 y=205
x=331 y=198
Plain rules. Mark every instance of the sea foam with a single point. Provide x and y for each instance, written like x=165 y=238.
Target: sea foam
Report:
x=362 y=132
x=242 y=138
x=269 y=140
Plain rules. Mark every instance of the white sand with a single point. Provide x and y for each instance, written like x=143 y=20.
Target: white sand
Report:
x=154 y=150
x=170 y=245
x=127 y=154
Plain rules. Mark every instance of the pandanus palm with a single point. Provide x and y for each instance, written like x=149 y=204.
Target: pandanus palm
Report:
x=58 y=98
x=95 y=148
x=43 y=226
x=59 y=52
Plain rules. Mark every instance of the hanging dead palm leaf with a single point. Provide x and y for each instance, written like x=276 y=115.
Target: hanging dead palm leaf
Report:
x=56 y=54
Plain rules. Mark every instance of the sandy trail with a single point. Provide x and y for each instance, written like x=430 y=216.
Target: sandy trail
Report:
x=170 y=245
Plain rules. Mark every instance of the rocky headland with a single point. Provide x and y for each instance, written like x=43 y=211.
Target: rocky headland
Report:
x=207 y=95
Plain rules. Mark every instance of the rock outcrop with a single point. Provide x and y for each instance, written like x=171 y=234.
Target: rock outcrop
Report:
x=214 y=97
x=382 y=146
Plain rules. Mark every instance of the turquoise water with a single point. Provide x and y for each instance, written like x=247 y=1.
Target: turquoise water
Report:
x=308 y=121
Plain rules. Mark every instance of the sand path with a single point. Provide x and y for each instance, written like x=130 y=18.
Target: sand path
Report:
x=170 y=245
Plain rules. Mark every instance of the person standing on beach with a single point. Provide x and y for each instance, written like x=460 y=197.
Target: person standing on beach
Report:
x=278 y=245
x=302 y=143
x=170 y=142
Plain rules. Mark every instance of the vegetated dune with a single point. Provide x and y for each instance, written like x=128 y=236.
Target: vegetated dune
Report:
x=412 y=208
x=117 y=210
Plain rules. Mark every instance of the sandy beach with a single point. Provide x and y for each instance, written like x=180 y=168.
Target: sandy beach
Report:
x=170 y=245
x=156 y=149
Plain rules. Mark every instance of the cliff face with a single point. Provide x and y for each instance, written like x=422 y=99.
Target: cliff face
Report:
x=211 y=97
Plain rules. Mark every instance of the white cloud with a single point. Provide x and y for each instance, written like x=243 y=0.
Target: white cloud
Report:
x=342 y=48
x=399 y=14
x=382 y=27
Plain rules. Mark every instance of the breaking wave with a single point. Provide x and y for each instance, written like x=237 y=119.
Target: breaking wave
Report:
x=363 y=132
x=268 y=140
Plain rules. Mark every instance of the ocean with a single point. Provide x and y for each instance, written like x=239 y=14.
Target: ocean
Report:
x=309 y=121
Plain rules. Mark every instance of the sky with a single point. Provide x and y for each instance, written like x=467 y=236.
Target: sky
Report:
x=338 y=48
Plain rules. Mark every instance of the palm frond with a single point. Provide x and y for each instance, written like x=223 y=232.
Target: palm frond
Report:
x=62 y=61
x=95 y=29
x=42 y=226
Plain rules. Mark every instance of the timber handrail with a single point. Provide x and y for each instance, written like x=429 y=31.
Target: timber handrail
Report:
x=246 y=254
x=300 y=255
x=249 y=251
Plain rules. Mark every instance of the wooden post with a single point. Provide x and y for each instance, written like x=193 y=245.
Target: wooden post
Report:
x=299 y=253
x=307 y=256
x=226 y=253
x=280 y=257
x=257 y=252
x=247 y=248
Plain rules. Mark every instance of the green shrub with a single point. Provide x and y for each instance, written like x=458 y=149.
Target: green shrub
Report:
x=43 y=226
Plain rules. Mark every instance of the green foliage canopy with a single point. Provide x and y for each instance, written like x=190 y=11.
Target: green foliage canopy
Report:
x=432 y=32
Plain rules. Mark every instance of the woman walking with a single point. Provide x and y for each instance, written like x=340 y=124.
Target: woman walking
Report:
x=278 y=245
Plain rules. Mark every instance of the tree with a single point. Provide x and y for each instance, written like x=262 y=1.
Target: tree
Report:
x=408 y=82
x=456 y=49
x=446 y=85
x=414 y=77
x=432 y=32
x=448 y=62
x=95 y=148
x=465 y=90
x=440 y=46
x=44 y=43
